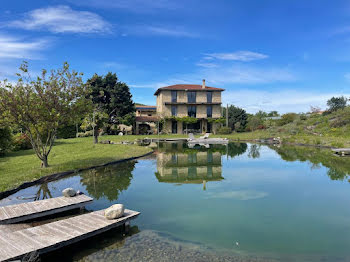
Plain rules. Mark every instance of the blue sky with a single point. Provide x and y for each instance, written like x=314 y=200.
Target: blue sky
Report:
x=268 y=54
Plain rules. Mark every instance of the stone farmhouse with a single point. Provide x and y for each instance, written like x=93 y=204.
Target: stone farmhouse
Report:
x=176 y=102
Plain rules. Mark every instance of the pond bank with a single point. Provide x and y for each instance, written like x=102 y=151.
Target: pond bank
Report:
x=22 y=169
x=60 y=175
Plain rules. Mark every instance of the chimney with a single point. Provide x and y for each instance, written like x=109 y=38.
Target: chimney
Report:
x=203 y=85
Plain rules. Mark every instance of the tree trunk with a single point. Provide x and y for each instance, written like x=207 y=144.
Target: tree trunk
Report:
x=95 y=133
x=44 y=162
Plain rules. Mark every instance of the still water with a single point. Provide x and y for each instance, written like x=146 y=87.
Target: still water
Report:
x=241 y=202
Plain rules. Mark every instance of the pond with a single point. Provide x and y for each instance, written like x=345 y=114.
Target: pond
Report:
x=240 y=202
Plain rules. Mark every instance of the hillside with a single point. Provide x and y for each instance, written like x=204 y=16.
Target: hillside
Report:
x=315 y=129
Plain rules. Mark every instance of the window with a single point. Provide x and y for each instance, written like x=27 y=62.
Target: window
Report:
x=173 y=110
x=174 y=96
x=209 y=111
x=191 y=97
x=191 y=110
x=209 y=97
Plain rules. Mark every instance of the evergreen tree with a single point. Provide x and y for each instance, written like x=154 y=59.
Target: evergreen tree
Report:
x=113 y=97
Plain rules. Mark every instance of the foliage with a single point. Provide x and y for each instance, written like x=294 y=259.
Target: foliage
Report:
x=108 y=182
x=21 y=142
x=112 y=97
x=287 y=118
x=336 y=103
x=67 y=131
x=236 y=115
x=187 y=120
x=220 y=120
x=5 y=139
x=95 y=121
x=224 y=130
x=254 y=123
x=273 y=114
x=39 y=106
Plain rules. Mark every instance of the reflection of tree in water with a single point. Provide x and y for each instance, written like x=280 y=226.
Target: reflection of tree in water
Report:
x=108 y=181
x=236 y=149
x=338 y=167
x=254 y=151
x=43 y=192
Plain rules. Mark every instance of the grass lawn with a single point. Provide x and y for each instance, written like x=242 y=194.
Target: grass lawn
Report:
x=67 y=154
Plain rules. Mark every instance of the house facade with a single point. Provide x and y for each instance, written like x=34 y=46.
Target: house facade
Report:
x=176 y=102
x=146 y=120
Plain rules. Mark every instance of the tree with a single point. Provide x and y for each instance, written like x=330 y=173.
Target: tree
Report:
x=237 y=118
x=273 y=114
x=336 y=103
x=39 y=106
x=254 y=122
x=113 y=97
x=95 y=121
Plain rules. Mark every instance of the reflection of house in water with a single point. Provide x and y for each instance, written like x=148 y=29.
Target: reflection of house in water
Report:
x=194 y=167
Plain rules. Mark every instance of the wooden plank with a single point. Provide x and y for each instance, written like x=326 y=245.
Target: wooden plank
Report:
x=58 y=234
x=31 y=210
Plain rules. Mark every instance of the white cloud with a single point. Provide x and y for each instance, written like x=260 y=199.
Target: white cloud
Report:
x=18 y=48
x=239 y=195
x=287 y=100
x=149 y=30
x=62 y=19
x=139 y=6
x=207 y=65
x=244 y=56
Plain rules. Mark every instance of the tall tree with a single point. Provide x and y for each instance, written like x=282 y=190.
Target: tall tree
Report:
x=39 y=106
x=336 y=103
x=113 y=97
x=237 y=118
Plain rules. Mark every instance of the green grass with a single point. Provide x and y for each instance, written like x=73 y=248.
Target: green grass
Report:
x=67 y=154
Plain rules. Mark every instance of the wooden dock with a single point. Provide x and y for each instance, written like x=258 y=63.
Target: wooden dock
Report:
x=341 y=151
x=57 y=234
x=31 y=210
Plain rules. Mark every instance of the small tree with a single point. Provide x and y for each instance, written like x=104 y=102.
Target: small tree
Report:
x=39 y=106
x=95 y=121
x=236 y=115
x=336 y=103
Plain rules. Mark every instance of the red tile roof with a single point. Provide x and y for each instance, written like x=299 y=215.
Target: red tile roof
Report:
x=188 y=87
x=146 y=119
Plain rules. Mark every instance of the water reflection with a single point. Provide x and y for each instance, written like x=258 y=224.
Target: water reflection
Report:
x=338 y=167
x=108 y=182
x=178 y=163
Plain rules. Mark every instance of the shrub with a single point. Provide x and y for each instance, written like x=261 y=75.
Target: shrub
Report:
x=286 y=119
x=5 y=140
x=66 y=132
x=303 y=117
x=85 y=134
x=21 y=142
x=224 y=130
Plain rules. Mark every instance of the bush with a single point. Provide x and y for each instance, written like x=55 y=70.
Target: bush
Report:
x=286 y=119
x=66 y=132
x=21 y=142
x=5 y=140
x=85 y=134
x=303 y=117
x=224 y=130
